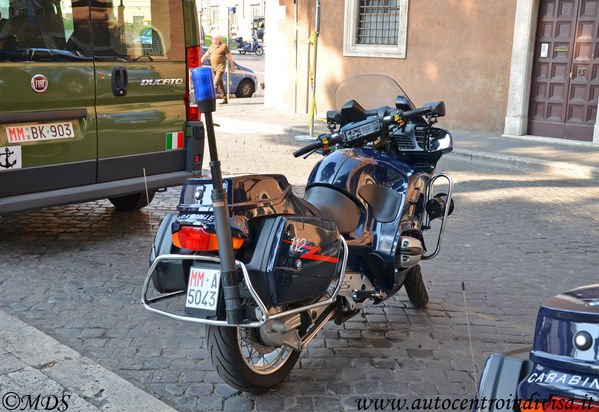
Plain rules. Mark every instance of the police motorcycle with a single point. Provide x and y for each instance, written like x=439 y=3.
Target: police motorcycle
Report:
x=244 y=47
x=265 y=269
x=560 y=372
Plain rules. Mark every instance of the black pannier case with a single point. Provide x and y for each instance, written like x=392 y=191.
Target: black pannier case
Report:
x=295 y=259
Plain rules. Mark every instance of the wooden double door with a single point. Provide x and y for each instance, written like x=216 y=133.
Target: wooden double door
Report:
x=565 y=79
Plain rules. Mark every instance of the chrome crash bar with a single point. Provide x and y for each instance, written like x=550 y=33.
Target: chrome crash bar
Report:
x=428 y=196
x=263 y=314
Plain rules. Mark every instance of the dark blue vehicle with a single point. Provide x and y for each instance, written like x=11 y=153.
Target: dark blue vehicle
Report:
x=355 y=238
x=244 y=47
x=561 y=372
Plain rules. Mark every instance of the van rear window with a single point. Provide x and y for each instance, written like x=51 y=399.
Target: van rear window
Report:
x=44 y=30
x=144 y=30
x=60 y=30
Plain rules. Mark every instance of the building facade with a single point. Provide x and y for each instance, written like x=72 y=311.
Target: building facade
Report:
x=217 y=15
x=512 y=67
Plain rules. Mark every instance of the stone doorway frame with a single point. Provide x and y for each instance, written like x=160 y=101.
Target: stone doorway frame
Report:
x=525 y=29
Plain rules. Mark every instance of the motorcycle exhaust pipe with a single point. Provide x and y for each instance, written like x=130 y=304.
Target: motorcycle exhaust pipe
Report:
x=436 y=206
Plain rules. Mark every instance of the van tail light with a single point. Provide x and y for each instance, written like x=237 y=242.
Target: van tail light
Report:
x=559 y=403
x=197 y=238
x=194 y=58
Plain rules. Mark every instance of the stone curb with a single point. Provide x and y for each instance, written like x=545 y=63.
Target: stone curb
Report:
x=521 y=162
x=235 y=126
x=518 y=162
x=54 y=367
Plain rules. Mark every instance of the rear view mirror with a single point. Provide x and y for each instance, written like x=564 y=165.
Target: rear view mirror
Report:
x=402 y=103
x=352 y=112
x=333 y=116
x=436 y=108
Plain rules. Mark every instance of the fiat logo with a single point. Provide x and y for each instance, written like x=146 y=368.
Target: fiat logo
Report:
x=39 y=83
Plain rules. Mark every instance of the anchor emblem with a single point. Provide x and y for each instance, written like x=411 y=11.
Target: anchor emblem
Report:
x=7 y=164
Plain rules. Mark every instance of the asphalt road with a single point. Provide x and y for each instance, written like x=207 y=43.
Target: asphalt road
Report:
x=515 y=239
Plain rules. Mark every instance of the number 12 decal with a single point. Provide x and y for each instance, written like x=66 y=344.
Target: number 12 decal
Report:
x=301 y=245
x=297 y=244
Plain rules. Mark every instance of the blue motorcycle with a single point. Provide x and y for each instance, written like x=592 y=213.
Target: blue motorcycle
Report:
x=560 y=372
x=355 y=238
x=244 y=47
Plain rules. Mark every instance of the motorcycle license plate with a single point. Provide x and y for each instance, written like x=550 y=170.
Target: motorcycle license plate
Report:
x=202 y=291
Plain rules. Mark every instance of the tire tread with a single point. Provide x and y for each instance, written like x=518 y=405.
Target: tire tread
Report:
x=415 y=288
x=230 y=366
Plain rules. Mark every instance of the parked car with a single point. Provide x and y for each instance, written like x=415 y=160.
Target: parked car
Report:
x=243 y=80
x=561 y=370
x=86 y=108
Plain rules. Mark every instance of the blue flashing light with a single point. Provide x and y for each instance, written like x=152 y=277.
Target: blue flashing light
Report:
x=203 y=83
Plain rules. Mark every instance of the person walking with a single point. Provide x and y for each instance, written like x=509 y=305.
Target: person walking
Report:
x=218 y=53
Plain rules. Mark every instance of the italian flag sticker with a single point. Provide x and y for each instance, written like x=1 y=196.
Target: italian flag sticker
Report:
x=174 y=140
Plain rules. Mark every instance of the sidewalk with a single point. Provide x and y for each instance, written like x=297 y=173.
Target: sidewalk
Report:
x=39 y=373
x=556 y=156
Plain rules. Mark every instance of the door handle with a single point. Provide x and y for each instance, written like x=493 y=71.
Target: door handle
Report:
x=120 y=80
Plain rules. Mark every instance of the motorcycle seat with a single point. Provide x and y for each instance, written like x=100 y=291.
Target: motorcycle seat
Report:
x=334 y=205
x=308 y=208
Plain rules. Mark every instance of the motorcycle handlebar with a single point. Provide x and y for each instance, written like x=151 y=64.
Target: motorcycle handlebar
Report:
x=312 y=146
x=323 y=139
x=416 y=112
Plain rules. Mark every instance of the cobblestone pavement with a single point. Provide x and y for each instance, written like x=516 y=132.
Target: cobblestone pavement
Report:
x=515 y=239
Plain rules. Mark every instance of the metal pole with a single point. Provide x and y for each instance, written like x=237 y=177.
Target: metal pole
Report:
x=206 y=101
x=223 y=230
x=317 y=29
x=296 y=51
x=226 y=59
x=202 y=31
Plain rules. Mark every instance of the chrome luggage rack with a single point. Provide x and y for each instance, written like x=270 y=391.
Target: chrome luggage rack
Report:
x=264 y=316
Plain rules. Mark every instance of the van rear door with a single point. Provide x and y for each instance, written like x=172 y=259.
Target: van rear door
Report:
x=47 y=117
x=139 y=48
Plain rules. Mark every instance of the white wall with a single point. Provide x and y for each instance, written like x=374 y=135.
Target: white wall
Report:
x=277 y=58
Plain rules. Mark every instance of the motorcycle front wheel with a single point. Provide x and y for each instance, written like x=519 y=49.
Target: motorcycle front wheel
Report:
x=244 y=363
x=259 y=51
x=415 y=288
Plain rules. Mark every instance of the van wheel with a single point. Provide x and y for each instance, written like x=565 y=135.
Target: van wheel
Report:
x=132 y=202
x=245 y=89
x=415 y=288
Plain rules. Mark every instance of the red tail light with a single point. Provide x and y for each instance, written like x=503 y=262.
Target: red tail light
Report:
x=558 y=403
x=194 y=58
x=196 y=238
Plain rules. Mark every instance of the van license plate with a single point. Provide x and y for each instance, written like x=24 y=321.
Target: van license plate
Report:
x=202 y=289
x=39 y=132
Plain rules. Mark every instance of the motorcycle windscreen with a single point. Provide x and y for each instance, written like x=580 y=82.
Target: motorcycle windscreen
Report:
x=370 y=91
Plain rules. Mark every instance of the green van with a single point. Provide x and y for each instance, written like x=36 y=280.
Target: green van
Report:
x=93 y=93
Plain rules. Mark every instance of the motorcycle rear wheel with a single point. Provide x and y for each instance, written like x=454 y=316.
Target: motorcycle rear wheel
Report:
x=241 y=51
x=244 y=363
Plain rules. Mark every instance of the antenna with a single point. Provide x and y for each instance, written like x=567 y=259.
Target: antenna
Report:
x=149 y=213
x=470 y=341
